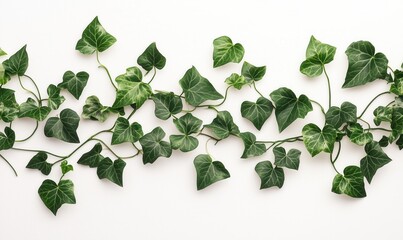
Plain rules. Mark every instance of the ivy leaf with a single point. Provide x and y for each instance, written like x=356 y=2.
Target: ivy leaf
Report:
x=94 y=38
x=269 y=176
x=252 y=149
x=39 y=162
x=154 y=146
x=209 y=171
x=2 y=52
x=185 y=143
x=133 y=74
x=74 y=83
x=236 y=81
x=31 y=109
x=317 y=140
x=336 y=116
x=66 y=167
x=225 y=51
x=397 y=85
x=399 y=142
x=151 y=58
x=351 y=183
x=289 y=160
x=289 y=107
x=382 y=114
x=113 y=171
x=55 y=99
x=364 y=65
x=126 y=132
x=317 y=55
x=55 y=195
x=131 y=93
x=197 y=89
x=93 y=157
x=384 y=141
x=7 y=138
x=8 y=105
x=257 y=112
x=166 y=104
x=4 y=78
x=65 y=127
x=252 y=73
x=94 y=110
x=188 y=124
x=397 y=120
x=17 y=64
x=375 y=159
x=357 y=135
x=223 y=125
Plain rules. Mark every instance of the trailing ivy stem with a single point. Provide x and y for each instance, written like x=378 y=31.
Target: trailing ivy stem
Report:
x=254 y=86
x=37 y=150
x=152 y=78
x=338 y=152
x=328 y=86
x=282 y=140
x=362 y=120
x=138 y=149
x=225 y=98
x=379 y=128
x=337 y=156
x=9 y=164
x=131 y=114
x=106 y=70
x=321 y=107
x=211 y=137
x=105 y=145
x=390 y=103
x=189 y=111
x=391 y=69
x=33 y=132
x=36 y=86
x=22 y=86
x=206 y=146
x=369 y=104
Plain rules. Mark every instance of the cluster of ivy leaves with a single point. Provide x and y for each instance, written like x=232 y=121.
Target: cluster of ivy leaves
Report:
x=133 y=90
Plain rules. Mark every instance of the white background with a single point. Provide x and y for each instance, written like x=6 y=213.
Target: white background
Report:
x=160 y=201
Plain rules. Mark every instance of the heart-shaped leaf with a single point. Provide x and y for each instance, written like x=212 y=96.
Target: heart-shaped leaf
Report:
x=336 y=116
x=113 y=171
x=94 y=110
x=8 y=105
x=65 y=127
x=31 y=109
x=397 y=86
x=236 y=81
x=166 y=104
x=151 y=58
x=270 y=176
x=39 y=162
x=131 y=93
x=317 y=55
x=225 y=51
x=126 y=132
x=257 y=112
x=74 y=83
x=133 y=74
x=93 y=157
x=351 y=183
x=17 y=64
x=375 y=159
x=55 y=99
x=252 y=73
x=317 y=140
x=382 y=114
x=188 y=124
x=154 y=146
x=185 y=143
x=289 y=160
x=357 y=134
x=209 y=171
x=55 y=195
x=7 y=138
x=223 y=125
x=252 y=149
x=66 y=167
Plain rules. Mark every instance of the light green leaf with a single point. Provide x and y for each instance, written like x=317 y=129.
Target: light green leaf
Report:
x=55 y=195
x=94 y=110
x=364 y=65
x=317 y=140
x=225 y=51
x=65 y=127
x=357 y=134
x=252 y=73
x=257 y=112
x=154 y=146
x=185 y=143
x=31 y=109
x=269 y=176
x=74 y=83
x=197 y=89
x=55 y=99
x=311 y=67
x=4 y=78
x=133 y=74
x=252 y=149
x=131 y=93
x=166 y=104
x=113 y=171
x=126 y=132
x=17 y=64
x=351 y=184
x=94 y=38
x=223 y=125
x=188 y=124
x=7 y=138
x=66 y=167
x=236 y=81
x=2 y=53
x=151 y=58
x=317 y=55
x=93 y=157
x=39 y=162
x=289 y=107
x=209 y=171
x=336 y=116
x=375 y=159
x=397 y=85
x=382 y=114
x=289 y=160
x=8 y=105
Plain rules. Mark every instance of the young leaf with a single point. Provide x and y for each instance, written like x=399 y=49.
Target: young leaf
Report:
x=126 y=132
x=364 y=65
x=336 y=116
x=223 y=125
x=31 y=109
x=65 y=127
x=289 y=160
x=351 y=184
x=375 y=159
x=209 y=171
x=8 y=105
x=55 y=195
x=289 y=107
x=397 y=85
x=131 y=93
x=185 y=143
x=252 y=73
x=93 y=157
x=113 y=171
x=154 y=146
x=66 y=167
x=317 y=140
x=55 y=99
x=151 y=58
x=188 y=124
x=270 y=176
x=166 y=104
x=252 y=149
x=94 y=38
x=17 y=64
x=2 y=52
x=236 y=81
x=357 y=134
x=7 y=139
x=94 y=110
x=74 y=83
x=225 y=51
x=197 y=89
x=39 y=162
x=382 y=114
x=317 y=55
x=257 y=112
x=133 y=74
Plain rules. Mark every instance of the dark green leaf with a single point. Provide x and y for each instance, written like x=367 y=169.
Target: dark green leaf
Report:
x=17 y=64
x=382 y=114
x=31 y=109
x=252 y=73
x=269 y=176
x=252 y=149
x=375 y=159
x=133 y=74
x=317 y=140
x=126 y=132
x=4 y=77
x=66 y=167
x=154 y=146
x=197 y=89
x=397 y=120
x=94 y=110
x=225 y=51
x=364 y=65
x=65 y=127
x=188 y=124
x=55 y=99
x=7 y=138
x=257 y=112
x=351 y=184
x=357 y=134
x=289 y=107
x=55 y=195
x=93 y=157
x=74 y=83
x=131 y=93
x=336 y=116
x=8 y=105
x=166 y=104
x=209 y=171
x=289 y=160
x=384 y=141
x=399 y=142
x=151 y=58
x=185 y=143
x=236 y=81
x=39 y=162
x=223 y=125
x=113 y=171
x=317 y=55
x=397 y=85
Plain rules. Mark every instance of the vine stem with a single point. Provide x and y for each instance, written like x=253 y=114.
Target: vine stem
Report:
x=328 y=87
x=378 y=128
x=321 y=107
x=211 y=137
x=219 y=104
x=152 y=78
x=9 y=164
x=254 y=86
x=106 y=70
x=335 y=159
x=282 y=140
x=36 y=86
x=131 y=114
x=33 y=132
x=369 y=104
x=22 y=86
